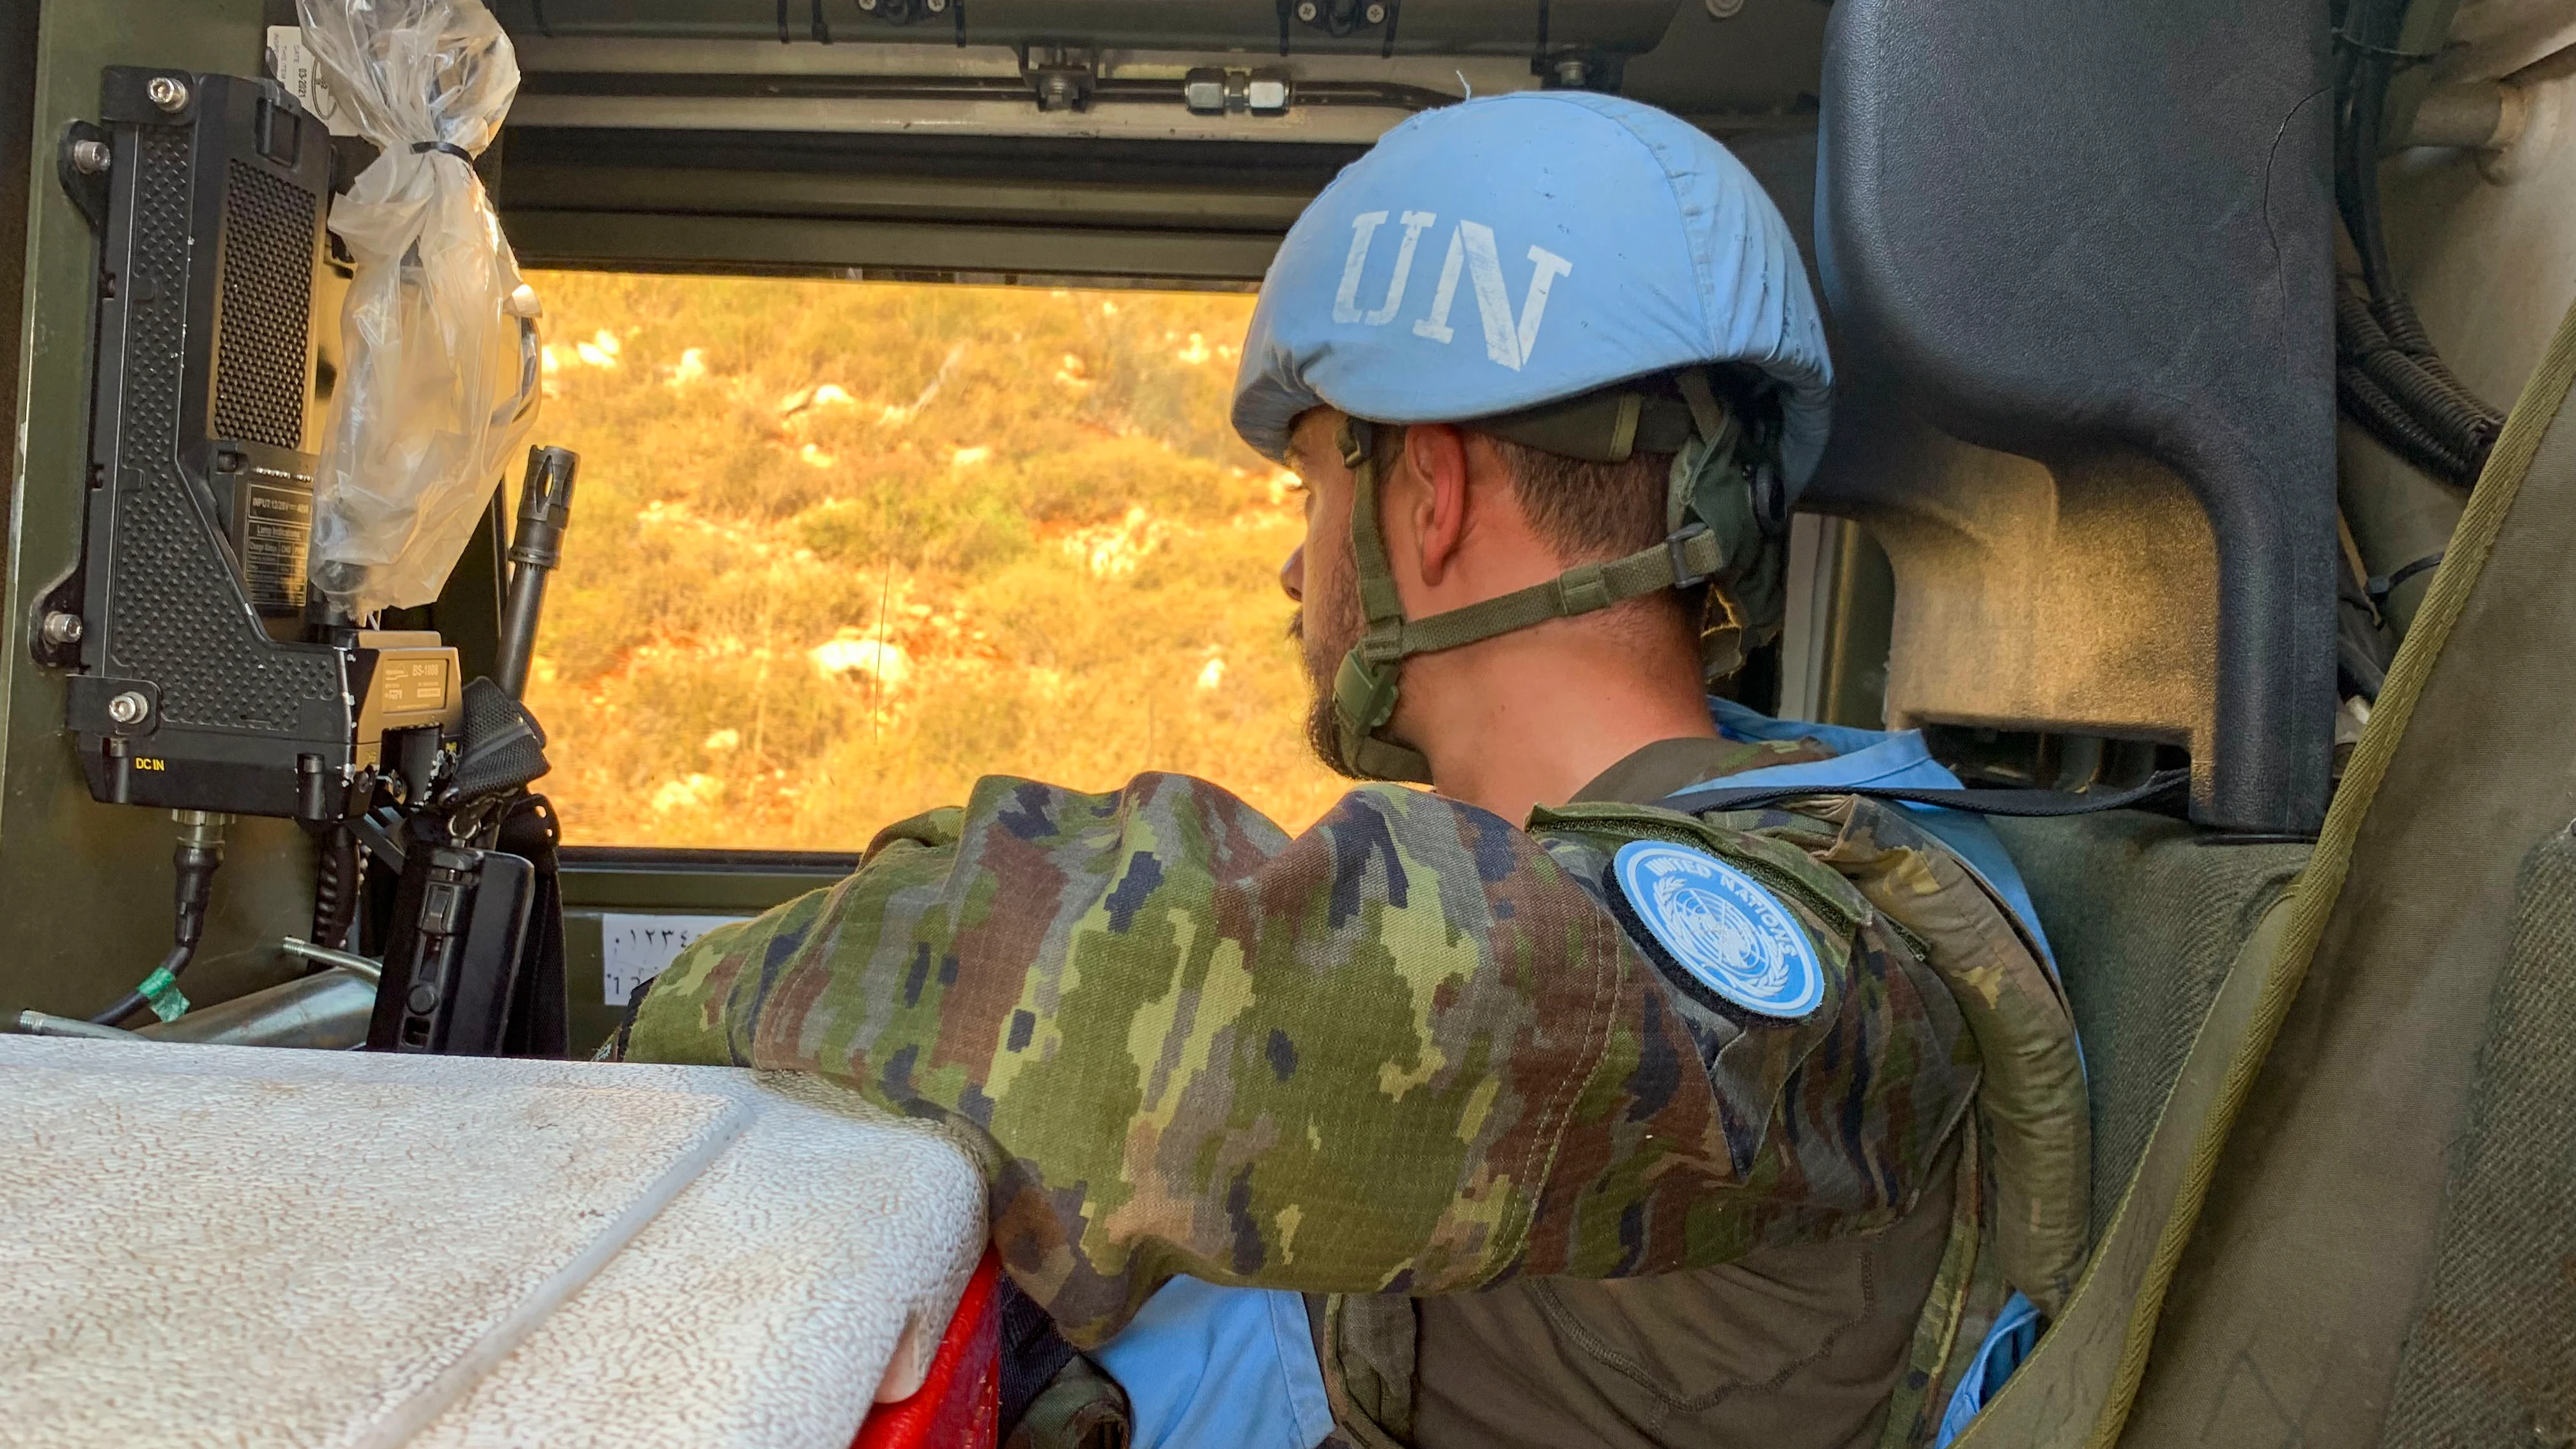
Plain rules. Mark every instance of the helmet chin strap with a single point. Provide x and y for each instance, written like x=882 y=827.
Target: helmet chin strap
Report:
x=1717 y=535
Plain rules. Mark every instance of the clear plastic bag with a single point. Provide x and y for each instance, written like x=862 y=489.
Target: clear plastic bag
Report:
x=439 y=383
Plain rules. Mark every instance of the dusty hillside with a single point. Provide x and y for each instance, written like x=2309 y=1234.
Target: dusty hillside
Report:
x=841 y=548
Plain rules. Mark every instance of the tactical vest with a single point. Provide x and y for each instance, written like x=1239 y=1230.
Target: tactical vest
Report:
x=2016 y=1207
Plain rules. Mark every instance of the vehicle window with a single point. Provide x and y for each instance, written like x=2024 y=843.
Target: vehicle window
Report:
x=840 y=548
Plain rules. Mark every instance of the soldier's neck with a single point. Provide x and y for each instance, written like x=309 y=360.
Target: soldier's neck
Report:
x=1531 y=718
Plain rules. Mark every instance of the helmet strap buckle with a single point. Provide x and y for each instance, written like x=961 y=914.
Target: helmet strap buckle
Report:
x=1679 y=546
x=1364 y=691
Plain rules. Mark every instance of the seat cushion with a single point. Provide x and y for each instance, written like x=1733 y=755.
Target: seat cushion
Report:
x=2145 y=914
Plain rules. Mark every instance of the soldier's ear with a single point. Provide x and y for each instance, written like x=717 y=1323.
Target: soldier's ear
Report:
x=1435 y=454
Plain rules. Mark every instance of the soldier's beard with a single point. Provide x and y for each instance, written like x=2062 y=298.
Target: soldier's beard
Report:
x=1322 y=640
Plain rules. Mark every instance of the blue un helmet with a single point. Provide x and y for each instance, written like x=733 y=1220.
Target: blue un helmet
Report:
x=1576 y=273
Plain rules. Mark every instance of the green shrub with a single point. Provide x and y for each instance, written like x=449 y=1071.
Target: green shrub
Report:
x=841 y=548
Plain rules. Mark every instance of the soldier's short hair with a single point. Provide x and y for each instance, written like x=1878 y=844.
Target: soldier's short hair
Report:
x=1589 y=511
x=1585 y=511
x=1592 y=512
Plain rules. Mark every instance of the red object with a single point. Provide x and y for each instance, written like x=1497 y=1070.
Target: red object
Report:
x=959 y=1406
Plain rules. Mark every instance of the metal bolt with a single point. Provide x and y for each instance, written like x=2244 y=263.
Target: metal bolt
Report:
x=1266 y=95
x=935 y=7
x=62 y=628
x=1723 y=9
x=1572 y=73
x=1376 y=14
x=89 y=158
x=1306 y=11
x=168 y=92
x=129 y=708
x=868 y=5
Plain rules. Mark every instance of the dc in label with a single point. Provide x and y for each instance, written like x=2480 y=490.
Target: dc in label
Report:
x=1730 y=934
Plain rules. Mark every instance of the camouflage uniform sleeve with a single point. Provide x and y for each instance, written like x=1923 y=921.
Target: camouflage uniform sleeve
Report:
x=1409 y=1050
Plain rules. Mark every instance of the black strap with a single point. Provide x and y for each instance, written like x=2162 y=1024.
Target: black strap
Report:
x=539 y=1017
x=442 y=147
x=1032 y=1352
x=2034 y=804
x=2380 y=588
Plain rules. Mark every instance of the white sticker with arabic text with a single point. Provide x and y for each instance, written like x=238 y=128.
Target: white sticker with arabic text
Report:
x=633 y=949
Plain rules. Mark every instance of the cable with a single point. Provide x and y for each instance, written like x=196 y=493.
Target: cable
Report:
x=2361 y=650
x=336 y=880
x=2389 y=378
x=2402 y=392
x=2398 y=430
x=194 y=860
x=135 y=1000
x=2363 y=101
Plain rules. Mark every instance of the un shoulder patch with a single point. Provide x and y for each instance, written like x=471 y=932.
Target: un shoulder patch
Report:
x=1731 y=935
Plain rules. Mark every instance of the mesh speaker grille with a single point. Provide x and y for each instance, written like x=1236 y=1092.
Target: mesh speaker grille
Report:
x=267 y=309
x=177 y=617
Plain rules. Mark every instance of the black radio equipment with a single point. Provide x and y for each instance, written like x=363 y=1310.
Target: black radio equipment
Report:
x=201 y=686
x=208 y=679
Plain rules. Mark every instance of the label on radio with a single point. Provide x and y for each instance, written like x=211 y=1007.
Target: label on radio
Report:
x=292 y=62
x=274 y=531
x=412 y=686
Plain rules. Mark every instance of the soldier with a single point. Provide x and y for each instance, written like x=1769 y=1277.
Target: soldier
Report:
x=1581 y=1120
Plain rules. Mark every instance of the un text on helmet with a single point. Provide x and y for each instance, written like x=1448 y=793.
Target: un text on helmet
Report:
x=1471 y=248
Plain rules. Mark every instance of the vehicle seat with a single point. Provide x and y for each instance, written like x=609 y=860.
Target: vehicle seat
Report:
x=2084 y=387
x=2145 y=915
